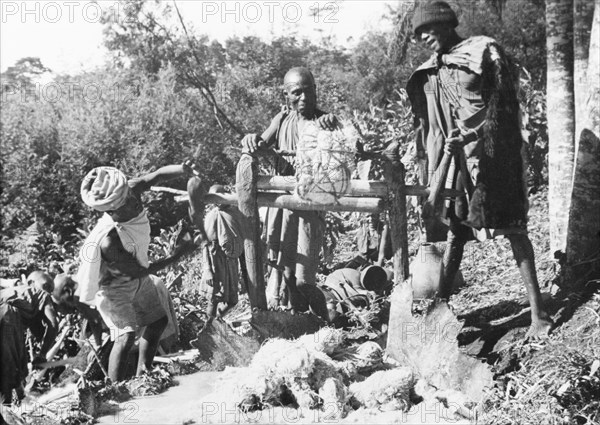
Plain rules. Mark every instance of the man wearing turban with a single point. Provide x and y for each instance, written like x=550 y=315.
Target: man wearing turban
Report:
x=115 y=274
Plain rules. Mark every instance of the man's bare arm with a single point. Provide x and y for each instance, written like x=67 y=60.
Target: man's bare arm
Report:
x=251 y=142
x=118 y=258
x=51 y=322
x=94 y=320
x=163 y=174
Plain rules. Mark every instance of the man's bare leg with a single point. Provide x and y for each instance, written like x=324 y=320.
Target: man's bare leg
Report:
x=284 y=293
x=118 y=356
x=311 y=229
x=541 y=324
x=455 y=247
x=149 y=344
x=297 y=301
x=212 y=307
x=274 y=288
x=315 y=298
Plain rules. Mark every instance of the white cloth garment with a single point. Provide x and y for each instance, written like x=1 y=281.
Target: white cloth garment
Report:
x=135 y=237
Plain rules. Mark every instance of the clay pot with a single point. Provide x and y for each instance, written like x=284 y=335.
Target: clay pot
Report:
x=426 y=271
x=390 y=275
x=373 y=278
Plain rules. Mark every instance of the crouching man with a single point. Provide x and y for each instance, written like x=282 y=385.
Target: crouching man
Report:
x=21 y=308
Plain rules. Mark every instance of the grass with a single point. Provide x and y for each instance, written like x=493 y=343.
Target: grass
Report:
x=554 y=381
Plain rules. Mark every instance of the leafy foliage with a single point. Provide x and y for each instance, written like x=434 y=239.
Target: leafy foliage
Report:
x=518 y=26
x=170 y=95
x=23 y=73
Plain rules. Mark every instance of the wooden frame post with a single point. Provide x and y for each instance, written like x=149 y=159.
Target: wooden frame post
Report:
x=247 y=190
x=394 y=174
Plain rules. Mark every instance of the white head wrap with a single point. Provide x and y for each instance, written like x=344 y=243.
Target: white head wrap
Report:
x=104 y=189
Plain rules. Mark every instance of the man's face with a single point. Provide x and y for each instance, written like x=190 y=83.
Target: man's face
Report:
x=301 y=95
x=64 y=292
x=130 y=209
x=435 y=36
x=41 y=281
x=66 y=296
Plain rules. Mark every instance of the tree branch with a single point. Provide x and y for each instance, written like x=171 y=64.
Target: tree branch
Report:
x=206 y=92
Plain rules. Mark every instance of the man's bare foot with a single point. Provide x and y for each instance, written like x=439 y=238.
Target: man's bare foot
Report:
x=142 y=370
x=223 y=309
x=297 y=300
x=540 y=328
x=272 y=303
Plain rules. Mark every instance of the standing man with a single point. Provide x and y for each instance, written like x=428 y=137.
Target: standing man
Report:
x=465 y=105
x=115 y=273
x=294 y=238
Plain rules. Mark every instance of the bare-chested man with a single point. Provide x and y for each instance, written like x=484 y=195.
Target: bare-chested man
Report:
x=115 y=273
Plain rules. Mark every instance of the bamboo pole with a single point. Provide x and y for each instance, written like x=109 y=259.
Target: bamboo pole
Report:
x=291 y=202
x=246 y=177
x=281 y=200
x=368 y=188
x=358 y=188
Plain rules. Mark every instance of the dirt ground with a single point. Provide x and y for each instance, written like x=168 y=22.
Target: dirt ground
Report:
x=179 y=404
x=191 y=401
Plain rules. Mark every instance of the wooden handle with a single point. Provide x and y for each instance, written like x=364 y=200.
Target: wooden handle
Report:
x=56 y=363
x=431 y=205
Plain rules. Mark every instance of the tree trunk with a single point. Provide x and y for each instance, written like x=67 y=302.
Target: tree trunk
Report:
x=561 y=117
x=593 y=76
x=582 y=27
x=583 y=239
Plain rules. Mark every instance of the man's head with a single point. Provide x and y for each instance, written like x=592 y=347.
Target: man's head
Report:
x=41 y=281
x=64 y=289
x=300 y=91
x=434 y=24
x=106 y=189
x=130 y=209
